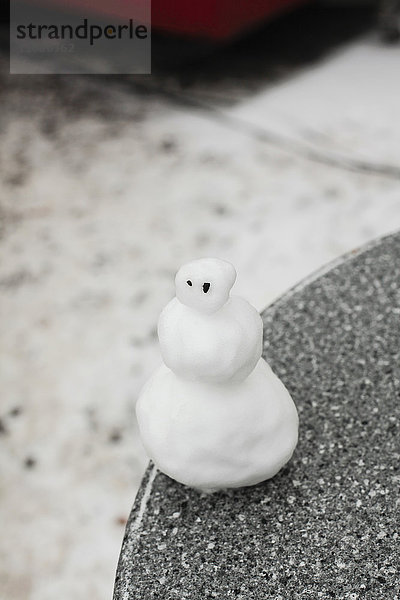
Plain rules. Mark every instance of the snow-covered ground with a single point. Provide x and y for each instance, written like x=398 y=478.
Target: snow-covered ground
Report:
x=99 y=207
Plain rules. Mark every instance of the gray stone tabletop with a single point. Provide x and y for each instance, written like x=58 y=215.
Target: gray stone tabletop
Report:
x=328 y=525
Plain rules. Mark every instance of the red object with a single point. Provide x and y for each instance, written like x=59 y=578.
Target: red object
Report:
x=208 y=19
x=214 y=19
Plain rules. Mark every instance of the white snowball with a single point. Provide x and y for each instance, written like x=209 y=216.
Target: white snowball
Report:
x=218 y=436
x=205 y=284
x=219 y=347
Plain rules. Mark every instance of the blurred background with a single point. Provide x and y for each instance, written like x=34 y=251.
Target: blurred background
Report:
x=275 y=145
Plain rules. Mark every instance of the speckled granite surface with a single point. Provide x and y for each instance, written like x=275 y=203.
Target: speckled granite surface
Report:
x=328 y=525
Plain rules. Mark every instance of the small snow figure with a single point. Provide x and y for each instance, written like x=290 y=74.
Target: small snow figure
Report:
x=214 y=415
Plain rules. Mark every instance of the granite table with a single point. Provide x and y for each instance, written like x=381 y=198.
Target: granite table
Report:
x=328 y=525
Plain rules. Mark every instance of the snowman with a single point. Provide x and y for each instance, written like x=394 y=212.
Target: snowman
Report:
x=214 y=415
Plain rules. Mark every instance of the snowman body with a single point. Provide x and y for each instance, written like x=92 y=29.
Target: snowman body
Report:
x=219 y=347
x=214 y=415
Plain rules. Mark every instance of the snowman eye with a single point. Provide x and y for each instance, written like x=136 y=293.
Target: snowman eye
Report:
x=189 y=282
x=206 y=287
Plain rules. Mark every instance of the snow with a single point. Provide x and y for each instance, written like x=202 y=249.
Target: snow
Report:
x=99 y=208
x=204 y=333
x=212 y=436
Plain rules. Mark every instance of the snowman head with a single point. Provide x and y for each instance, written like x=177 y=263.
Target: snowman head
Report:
x=204 y=284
